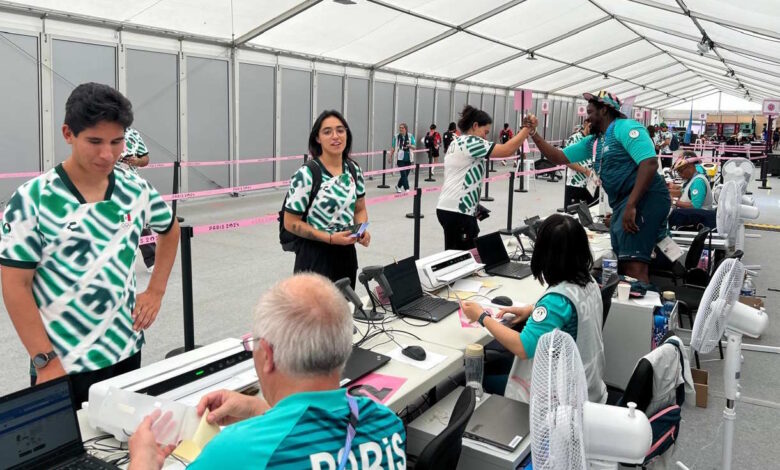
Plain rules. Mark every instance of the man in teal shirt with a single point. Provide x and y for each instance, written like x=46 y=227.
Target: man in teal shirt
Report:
x=627 y=166
x=302 y=338
x=695 y=192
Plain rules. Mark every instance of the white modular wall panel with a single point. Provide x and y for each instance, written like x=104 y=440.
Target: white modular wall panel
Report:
x=257 y=85
x=330 y=92
x=296 y=118
x=357 y=117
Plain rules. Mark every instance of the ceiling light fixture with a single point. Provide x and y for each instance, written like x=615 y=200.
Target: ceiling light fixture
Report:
x=346 y=2
x=606 y=76
x=704 y=46
x=531 y=56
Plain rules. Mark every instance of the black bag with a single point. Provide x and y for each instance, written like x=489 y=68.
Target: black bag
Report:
x=449 y=136
x=428 y=141
x=288 y=240
x=674 y=144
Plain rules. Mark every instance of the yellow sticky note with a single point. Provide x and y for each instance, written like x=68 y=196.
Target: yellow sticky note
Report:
x=189 y=449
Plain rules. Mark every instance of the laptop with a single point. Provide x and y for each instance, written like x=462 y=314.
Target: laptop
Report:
x=408 y=298
x=583 y=213
x=500 y=422
x=39 y=430
x=361 y=362
x=493 y=254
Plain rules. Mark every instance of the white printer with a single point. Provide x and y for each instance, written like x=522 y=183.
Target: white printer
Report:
x=436 y=271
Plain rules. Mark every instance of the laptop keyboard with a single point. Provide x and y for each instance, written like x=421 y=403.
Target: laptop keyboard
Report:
x=425 y=304
x=85 y=462
x=513 y=269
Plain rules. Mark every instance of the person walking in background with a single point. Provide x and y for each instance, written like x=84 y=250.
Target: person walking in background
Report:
x=449 y=136
x=464 y=170
x=403 y=145
x=432 y=143
x=326 y=244
x=504 y=136
x=136 y=155
x=776 y=138
x=663 y=141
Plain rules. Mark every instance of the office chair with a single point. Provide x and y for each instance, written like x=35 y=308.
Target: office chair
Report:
x=607 y=291
x=443 y=452
x=686 y=272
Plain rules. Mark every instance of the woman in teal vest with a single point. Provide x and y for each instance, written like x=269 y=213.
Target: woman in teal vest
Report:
x=627 y=166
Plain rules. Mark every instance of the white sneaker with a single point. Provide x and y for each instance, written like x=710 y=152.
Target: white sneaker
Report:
x=503 y=162
x=398 y=189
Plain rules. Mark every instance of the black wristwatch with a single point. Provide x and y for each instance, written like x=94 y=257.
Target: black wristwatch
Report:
x=41 y=360
x=482 y=317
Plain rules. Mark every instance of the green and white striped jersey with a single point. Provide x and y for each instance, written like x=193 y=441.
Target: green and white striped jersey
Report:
x=134 y=145
x=83 y=255
x=333 y=209
x=464 y=169
x=573 y=178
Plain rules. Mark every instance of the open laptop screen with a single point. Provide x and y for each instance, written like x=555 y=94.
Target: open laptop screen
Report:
x=404 y=280
x=491 y=249
x=583 y=212
x=37 y=423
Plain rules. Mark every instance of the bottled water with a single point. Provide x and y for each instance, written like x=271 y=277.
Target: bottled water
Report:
x=609 y=266
x=748 y=287
x=474 y=365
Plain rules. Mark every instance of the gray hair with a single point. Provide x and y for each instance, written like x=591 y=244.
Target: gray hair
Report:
x=308 y=324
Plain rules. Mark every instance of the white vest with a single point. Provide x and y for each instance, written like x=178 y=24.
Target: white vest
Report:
x=684 y=197
x=590 y=312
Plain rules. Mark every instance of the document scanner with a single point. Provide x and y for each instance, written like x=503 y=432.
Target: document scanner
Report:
x=436 y=271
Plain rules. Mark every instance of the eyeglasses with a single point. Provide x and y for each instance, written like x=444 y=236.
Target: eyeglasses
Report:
x=328 y=131
x=249 y=342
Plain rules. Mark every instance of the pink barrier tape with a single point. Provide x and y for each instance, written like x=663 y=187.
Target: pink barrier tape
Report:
x=235 y=189
x=431 y=189
x=152 y=166
x=27 y=174
x=389 y=197
x=503 y=176
x=538 y=172
x=266 y=219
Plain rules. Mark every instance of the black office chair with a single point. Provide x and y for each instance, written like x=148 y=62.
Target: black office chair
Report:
x=443 y=452
x=687 y=272
x=607 y=291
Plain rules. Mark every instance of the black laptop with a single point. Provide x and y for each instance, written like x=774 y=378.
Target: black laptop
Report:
x=583 y=213
x=39 y=430
x=361 y=362
x=408 y=298
x=493 y=253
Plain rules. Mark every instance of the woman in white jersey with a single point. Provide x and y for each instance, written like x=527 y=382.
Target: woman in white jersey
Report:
x=464 y=170
x=571 y=303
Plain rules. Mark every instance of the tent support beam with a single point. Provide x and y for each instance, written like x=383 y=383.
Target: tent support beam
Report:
x=274 y=22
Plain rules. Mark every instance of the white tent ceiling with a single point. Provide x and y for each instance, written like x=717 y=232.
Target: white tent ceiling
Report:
x=646 y=48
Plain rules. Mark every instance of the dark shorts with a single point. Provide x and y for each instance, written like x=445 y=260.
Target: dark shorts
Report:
x=332 y=261
x=652 y=213
x=435 y=153
x=460 y=230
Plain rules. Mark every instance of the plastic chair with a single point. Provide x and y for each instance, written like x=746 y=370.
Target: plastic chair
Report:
x=443 y=452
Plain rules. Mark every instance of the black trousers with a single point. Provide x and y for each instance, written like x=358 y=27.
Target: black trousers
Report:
x=332 y=261
x=460 y=230
x=573 y=195
x=83 y=380
x=666 y=160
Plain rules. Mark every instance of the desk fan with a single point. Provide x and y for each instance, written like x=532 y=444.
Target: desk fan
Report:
x=732 y=213
x=719 y=312
x=738 y=169
x=566 y=429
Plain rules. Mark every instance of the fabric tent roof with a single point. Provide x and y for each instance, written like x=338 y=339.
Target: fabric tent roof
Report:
x=647 y=48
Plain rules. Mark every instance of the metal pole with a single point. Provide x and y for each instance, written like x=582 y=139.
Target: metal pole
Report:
x=430 y=177
x=384 y=167
x=305 y=158
x=188 y=313
x=492 y=163
x=487 y=197
x=521 y=188
x=767 y=151
x=176 y=171
x=417 y=204
x=510 y=202
x=416 y=214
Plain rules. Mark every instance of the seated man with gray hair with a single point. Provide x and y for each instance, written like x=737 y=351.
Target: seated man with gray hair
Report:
x=302 y=338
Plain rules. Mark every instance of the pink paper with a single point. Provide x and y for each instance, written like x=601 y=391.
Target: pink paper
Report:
x=464 y=320
x=377 y=387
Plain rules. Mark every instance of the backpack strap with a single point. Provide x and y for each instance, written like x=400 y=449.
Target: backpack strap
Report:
x=352 y=170
x=316 y=181
x=680 y=393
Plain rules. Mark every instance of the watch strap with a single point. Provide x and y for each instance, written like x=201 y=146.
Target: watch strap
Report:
x=482 y=317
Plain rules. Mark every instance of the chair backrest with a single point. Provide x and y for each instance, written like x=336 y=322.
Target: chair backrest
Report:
x=696 y=248
x=443 y=452
x=607 y=291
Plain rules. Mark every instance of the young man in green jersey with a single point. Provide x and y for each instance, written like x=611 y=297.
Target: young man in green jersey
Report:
x=301 y=340
x=68 y=247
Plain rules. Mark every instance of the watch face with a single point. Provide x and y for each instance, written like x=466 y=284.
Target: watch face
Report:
x=40 y=360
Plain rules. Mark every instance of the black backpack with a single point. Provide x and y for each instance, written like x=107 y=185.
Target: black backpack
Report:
x=288 y=240
x=674 y=144
x=449 y=136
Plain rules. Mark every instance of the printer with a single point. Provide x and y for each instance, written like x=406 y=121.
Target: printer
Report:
x=183 y=379
x=440 y=269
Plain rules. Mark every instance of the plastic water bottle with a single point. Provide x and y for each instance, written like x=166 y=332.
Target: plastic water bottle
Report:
x=669 y=301
x=475 y=366
x=609 y=266
x=660 y=326
x=748 y=287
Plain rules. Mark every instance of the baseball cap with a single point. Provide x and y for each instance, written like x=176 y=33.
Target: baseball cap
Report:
x=663 y=124
x=606 y=98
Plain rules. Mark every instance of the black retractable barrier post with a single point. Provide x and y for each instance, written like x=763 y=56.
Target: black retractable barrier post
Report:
x=416 y=215
x=521 y=186
x=176 y=171
x=384 y=167
x=511 y=201
x=186 y=290
x=305 y=158
x=417 y=204
x=487 y=197
x=767 y=151
x=430 y=177
x=491 y=163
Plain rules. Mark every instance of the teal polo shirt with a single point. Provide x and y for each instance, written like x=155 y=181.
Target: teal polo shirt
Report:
x=307 y=430
x=558 y=312
x=619 y=152
x=697 y=193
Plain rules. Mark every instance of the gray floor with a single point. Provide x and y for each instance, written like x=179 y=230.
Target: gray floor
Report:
x=232 y=269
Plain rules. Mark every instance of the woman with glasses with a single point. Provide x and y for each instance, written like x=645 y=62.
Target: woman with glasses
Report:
x=327 y=245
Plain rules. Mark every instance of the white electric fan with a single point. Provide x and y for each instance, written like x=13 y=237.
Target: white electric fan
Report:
x=732 y=213
x=566 y=429
x=738 y=169
x=720 y=311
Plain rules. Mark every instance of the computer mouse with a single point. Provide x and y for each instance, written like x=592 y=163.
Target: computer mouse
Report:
x=502 y=300
x=414 y=352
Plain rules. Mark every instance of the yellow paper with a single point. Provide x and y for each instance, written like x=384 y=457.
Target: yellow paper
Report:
x=189 y=449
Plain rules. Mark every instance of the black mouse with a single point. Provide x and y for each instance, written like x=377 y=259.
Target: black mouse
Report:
x=502 y=300
x=415 y=352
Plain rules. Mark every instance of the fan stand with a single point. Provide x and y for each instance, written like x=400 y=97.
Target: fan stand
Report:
x=731 y=372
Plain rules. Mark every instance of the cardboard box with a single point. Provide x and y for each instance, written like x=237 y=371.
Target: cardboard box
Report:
x=754 y=302
x=701 y=380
